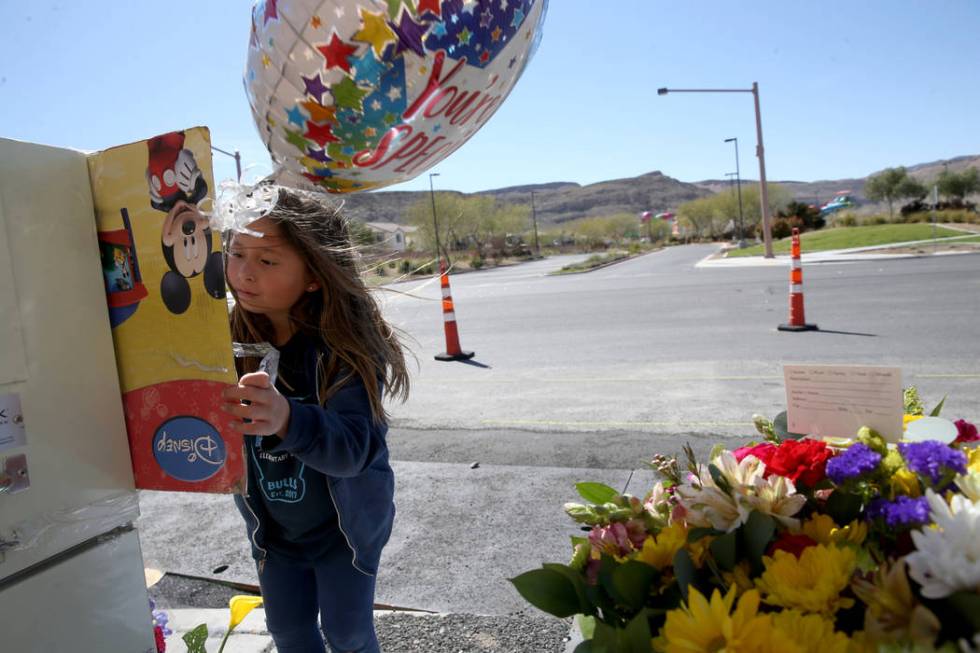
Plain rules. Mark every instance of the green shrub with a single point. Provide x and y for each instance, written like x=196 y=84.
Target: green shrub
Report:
x=477 y=262
x=845 y=220
x=780 y=228
x=962 y=216
x=876 y=219
x=392 y=264
x=405 y=266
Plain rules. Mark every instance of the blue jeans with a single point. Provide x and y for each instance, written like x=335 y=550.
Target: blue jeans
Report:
x=294 y=593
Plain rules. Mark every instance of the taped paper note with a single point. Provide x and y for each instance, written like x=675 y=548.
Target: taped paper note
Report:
x=12 y=432
x=834 y=401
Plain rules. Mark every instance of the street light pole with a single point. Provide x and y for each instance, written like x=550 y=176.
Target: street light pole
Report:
x=759 y=152
x=534 y=217
x=238 y=161
x=738 y=183
x=435 y=222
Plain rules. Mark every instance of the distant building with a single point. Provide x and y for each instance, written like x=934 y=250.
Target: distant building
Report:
x=391 y=235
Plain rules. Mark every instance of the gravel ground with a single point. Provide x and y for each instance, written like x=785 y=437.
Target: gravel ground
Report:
x=173 y=592
x=522 y=632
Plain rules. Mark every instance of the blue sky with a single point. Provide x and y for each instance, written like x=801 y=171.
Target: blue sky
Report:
x=847 y=88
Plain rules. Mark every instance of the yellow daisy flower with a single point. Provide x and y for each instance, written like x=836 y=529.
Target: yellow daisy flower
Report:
x=704 y=626
x=893 y=613
x=822 y=529
x=658 y=550
x=739 y=577
x=796 y=632
x=904 y=482
x=811 y=583
x=973 y=459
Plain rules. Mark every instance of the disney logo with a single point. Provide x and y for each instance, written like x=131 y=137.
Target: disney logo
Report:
x=202 y=447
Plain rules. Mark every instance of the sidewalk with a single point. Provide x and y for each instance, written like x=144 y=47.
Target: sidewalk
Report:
x=835 y=255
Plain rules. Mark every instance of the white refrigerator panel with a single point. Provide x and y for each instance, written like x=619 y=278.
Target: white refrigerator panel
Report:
x=85 y=603
x=58 y=359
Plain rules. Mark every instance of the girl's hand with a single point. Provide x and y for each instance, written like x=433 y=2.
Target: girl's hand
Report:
x=266 y=408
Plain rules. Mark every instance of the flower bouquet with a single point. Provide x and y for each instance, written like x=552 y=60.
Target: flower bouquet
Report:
x=790 y=544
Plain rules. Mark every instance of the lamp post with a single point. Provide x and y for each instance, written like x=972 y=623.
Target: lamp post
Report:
x=759 y=151
x=435 y=223
x=738 y=184
x=534 y=217
x=238 y=161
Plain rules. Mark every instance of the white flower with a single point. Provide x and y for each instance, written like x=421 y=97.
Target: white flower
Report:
x=776 y=496
x=747 y=490
x=947 y=557
x=969 y=485
x=657 y=502
x=707 y=505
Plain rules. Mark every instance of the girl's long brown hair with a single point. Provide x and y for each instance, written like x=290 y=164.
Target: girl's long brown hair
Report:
x=343 y=314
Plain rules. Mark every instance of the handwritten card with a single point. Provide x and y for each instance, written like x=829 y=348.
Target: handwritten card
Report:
x=834 y=401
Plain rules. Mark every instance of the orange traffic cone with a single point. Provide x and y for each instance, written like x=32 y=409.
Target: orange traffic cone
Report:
x=797 y=321
x=453 y=351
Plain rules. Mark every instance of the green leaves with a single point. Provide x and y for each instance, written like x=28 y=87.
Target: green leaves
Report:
x=719 y=479
x=935 y=411
x=757 y=533
x=724 y=549
x=684 y=570
x=596 y=492
x=629 y=584
x=196 y=638
x=634 y=638
x=843 y=507
x=552 y=590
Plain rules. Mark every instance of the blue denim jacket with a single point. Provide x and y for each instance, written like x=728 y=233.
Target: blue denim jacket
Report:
x=343 y=442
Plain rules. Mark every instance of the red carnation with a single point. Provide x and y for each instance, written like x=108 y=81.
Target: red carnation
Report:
x=801 y=461
x=763 y=452
x=791 y=544
x=160 y=641
x=966 y=432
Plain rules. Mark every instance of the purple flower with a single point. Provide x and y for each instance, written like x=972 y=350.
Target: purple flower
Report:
x=932 y=458
x=903 y=511
x=856 y=460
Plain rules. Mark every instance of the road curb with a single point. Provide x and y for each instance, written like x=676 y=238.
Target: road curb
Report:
x=558 y=273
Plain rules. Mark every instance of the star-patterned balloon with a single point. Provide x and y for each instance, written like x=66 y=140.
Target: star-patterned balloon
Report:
x=358 y=94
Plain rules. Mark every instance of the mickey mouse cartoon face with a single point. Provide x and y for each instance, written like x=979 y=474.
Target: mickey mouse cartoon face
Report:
x=176 y=185
x=186 y=239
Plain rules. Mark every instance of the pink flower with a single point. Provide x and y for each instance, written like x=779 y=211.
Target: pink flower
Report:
x=637 y=533
x=592 y=571
x=763 y=451
x=613 y=539
x=966 y=432
x=678 y=513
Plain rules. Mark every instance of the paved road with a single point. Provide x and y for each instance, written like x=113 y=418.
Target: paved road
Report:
x=582 y=377
x=655 y=345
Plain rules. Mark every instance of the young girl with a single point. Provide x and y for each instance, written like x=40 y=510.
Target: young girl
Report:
x=318 y=502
